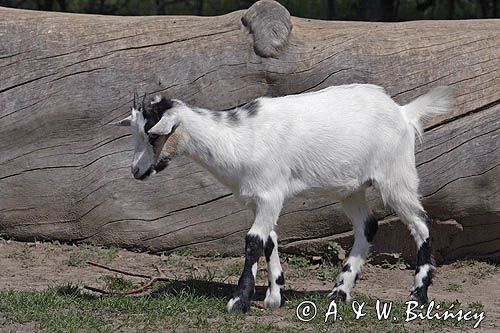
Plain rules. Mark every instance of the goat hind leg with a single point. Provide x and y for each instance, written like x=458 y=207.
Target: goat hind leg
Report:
x=365 y=226
x=407 y=205
x=419 y=224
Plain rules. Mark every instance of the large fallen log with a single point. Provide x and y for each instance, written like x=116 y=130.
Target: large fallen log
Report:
x=65 y=174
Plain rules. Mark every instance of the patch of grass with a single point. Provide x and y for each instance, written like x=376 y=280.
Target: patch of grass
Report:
x=24 y=256
x=334 y=254
x=478 y=270
x=117 y=283
x=213 y=255
x=77 y=258
x=79 y=255
x=452 y=286
x=464 y=263
x=65 y=309
x=485 y=270
x=206 y=275
x=177 y=259
x=482 y=268
x=396 y=264
x=328 y=272
x=476 y=306
x=51 y=309
x=111 y=254
x=234 y=269
x=299 y=266
x=195 y=306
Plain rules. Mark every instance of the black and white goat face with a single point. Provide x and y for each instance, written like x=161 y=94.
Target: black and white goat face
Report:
x=149 y=121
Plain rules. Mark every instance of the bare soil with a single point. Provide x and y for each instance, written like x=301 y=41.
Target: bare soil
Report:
x=35 y=266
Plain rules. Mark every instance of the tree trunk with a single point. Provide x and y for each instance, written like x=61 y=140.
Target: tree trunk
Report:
x=65 y=174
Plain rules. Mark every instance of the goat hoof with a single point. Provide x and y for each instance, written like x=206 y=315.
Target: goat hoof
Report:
x=339 y=295
x=273 y=302
x=238 y=305
x=420 y=296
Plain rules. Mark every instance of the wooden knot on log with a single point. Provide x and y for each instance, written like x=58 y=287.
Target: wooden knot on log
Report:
x=270 y=24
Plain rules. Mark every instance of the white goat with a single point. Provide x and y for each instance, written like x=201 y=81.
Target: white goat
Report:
x=342 y=139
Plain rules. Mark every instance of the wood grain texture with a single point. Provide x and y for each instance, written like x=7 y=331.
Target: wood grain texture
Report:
x=65 y=174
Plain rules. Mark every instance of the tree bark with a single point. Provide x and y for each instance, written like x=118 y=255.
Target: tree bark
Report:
x=65 y=174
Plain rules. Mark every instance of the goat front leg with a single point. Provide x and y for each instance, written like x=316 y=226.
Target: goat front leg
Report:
x=275 y=275
x=266 y=215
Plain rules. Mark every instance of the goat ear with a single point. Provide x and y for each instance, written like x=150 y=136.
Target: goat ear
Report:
x=123 y=122
x=165 y=126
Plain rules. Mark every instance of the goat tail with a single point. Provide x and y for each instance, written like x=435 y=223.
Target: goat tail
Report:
x=435 y=102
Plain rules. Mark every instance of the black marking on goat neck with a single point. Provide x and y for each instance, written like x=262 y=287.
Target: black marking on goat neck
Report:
x=371 y=227
x=346 y=268
x=217 y=115
x=251 y=108
x=268 y=249
x=198 y=110
x=233 y=115
x=246 y=284
x=162 y=164
x=152 y=113
x=163 y=105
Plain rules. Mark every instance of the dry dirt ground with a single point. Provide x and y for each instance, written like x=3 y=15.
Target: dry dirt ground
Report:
x=35 y=266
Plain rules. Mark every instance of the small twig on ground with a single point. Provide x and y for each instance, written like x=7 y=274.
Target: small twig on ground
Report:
x=152 y=280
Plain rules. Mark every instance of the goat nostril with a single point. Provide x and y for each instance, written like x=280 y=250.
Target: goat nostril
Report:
x=135 y=170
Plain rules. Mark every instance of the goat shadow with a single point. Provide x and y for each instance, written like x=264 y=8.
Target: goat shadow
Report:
x=198 y=287
x=216 y=289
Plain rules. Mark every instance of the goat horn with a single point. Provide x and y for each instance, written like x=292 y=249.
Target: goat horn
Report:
x=144 y=101
x=136 y=97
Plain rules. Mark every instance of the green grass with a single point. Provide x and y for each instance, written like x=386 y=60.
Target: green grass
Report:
x=65 y=309
x=335 y=254
x=193 y=305
x=24 y=256
x=452 y=286
x=328 y=272
x=117 y=283
x=482 y=269
x=111 y=254
x=485 y=271
x=79 y=256
x=234 y=269
x=299 y=266
x=198 y=304
x=396 y=264
x=77 y=259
